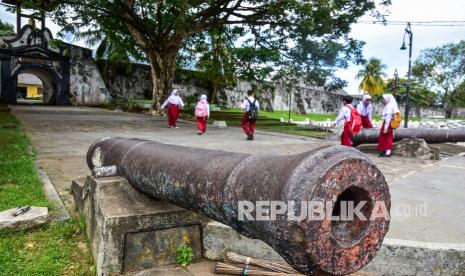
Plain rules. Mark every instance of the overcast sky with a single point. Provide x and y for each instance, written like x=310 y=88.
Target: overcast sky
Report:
x=383 y=42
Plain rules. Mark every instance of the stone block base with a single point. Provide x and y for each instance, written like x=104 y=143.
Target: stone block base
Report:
x=130 y=232
x=417 y=148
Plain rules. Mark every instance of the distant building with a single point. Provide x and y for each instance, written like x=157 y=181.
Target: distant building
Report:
x=29 y=86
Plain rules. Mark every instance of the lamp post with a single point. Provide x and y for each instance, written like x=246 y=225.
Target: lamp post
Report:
x=396 y=85
x=408 y=31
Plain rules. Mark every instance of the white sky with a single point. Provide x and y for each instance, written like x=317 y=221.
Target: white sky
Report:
x=383 y=42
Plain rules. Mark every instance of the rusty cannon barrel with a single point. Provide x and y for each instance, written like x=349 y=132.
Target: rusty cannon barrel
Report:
x=217 y=184
x=430 y=135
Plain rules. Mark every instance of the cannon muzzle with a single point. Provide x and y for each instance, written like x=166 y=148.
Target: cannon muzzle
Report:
x=220 y=184
x=430 y=135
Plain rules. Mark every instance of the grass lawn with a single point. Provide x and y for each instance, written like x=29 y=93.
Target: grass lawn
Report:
x=233 y=117
x=58 y=248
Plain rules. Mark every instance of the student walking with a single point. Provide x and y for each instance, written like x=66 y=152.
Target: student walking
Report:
x=202 y=112
x=365 y=109
x=346 y=115
x=385 y=138
x=174 y=102
x=250 y=106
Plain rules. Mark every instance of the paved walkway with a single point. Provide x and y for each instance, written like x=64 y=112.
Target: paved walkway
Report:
x=62 y=135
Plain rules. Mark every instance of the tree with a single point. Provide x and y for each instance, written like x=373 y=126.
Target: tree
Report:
x=6 y=28
x=442 y=69
x=372 y=77
x=216 y=66
x=282 y=28
x=458 y=96
x=420 y=95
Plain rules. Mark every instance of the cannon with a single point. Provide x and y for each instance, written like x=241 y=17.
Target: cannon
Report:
x=217 y=183
x=430 y=135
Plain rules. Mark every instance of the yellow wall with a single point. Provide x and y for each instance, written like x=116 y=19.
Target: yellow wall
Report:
x=32 y=90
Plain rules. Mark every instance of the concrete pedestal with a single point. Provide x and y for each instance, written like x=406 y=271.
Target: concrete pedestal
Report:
x=130 y=232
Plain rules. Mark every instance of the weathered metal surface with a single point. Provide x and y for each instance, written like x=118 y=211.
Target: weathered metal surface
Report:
x=430 y=135
x=214 y=182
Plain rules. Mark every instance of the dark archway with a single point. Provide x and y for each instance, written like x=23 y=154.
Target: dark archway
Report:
x=28 y=52
x=51 y=80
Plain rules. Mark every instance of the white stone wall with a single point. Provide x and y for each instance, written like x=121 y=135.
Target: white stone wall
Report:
x=86 y=83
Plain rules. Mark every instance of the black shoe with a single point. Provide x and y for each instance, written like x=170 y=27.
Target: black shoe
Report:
x=250 y=136
x=382 y=154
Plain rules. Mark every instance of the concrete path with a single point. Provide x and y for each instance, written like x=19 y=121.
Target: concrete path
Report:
x=429 y=205
x=62 y=135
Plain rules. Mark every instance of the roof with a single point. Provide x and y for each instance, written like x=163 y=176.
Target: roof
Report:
x=340 y=92
x=29 y=79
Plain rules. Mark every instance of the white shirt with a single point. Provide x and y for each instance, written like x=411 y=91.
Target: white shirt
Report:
x=173 y=100
x=245 y=105
x=365 y=111
x=387 y=120
x=344 y=114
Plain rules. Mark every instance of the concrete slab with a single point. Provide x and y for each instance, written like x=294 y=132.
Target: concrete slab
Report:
x=36 y=216
x=429 y=205
x=129 y=231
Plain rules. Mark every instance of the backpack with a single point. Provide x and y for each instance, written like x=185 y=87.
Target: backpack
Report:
x=201 y=109
x=355 y=123
x=252 y=114
x=395 y=122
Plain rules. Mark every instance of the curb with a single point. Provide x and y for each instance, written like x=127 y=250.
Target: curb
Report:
x=49 y=189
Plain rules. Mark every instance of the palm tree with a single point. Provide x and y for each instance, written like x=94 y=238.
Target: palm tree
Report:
x=372 y=77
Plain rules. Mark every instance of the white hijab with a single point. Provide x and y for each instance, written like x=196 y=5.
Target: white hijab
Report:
x=391 y=106
x=203 y=97
x=365 y=109
x=366 y=98
x=174 y=99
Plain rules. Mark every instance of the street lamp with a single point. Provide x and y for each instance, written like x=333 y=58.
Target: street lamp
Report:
x=408 y=31
x=396 y=85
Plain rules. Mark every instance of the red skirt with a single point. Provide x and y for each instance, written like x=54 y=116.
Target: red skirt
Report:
x=366 y=123
x=202 y=124
x=173 y=114
x=385 y=139
x=346 y=137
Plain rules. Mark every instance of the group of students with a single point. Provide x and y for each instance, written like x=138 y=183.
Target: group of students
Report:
x=365 y=110
x=250 y=106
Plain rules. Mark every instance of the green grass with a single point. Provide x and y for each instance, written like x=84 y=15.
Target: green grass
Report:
x=53 y=249
x=233 y=117
x=19 y=183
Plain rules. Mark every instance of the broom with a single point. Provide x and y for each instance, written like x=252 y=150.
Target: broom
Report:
x=246 y=270
x=273 y=266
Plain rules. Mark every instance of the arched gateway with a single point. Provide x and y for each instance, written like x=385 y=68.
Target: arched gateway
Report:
x=30 y=52
x=68 y=73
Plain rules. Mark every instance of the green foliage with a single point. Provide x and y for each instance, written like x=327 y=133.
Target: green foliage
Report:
x=6 y=28
x=251 y=39
x=442 y=69
x=184 y=255
x=458 y=96
x=58 y=248
x=372 y=77
x=19 y=182
x=54 y=43
x=419 y=94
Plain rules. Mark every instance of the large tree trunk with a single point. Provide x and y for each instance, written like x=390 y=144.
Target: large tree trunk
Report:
x=213 y=94
x=448 y=107
x=163 y=65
